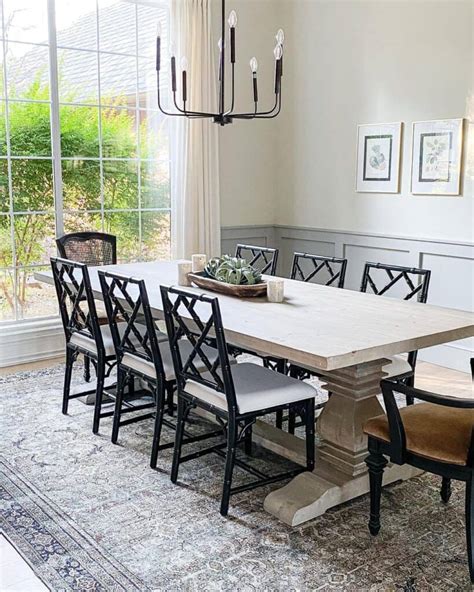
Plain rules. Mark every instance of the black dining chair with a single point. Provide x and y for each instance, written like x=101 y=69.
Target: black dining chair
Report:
x=435 y=436
x=84 y=335
x=264 y=259
x=142 y=352
x=93 y=249
x=327 y=271
x=408 y=283
x=236 y=394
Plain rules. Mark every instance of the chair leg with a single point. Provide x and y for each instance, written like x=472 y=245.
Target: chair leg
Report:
x=229 y=466
x=99 y=391
x=178 y=442
x=470 y=525
x=118 y=404
x=376 y=463
x=309 y=424
x=248 y=441
x=445 y=490
x=170 y=398
x=87 y=369
x=160 y=407
x=67 y=378
x=410 y=381
x=279 y=419
x=291 y=421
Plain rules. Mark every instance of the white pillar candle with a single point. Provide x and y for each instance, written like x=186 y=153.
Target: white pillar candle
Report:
x=275 y=290
x=199 y=262
x=184 y=267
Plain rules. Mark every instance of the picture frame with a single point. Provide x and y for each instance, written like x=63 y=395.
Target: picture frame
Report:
x=378 y=157
x=437 y=151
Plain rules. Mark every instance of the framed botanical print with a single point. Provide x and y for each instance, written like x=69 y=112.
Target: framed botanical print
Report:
x=436 y=157
x=378 y=157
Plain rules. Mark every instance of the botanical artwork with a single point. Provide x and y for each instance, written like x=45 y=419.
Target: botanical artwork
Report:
x=436 y=159
x=378 y=158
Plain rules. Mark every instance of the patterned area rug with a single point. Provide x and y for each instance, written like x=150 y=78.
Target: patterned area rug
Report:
x=88 y=515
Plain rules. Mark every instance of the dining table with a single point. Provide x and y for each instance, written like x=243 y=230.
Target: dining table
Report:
x=348 y=338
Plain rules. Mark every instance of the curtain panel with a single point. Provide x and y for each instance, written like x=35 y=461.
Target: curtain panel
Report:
x=194 y=143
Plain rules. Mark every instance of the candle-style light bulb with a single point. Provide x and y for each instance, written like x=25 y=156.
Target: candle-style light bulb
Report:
x=158 y=29
x=280 y=36
x=278 y=51
x=220 y=44
x=184 y=63
x=254 y=65
x=232 y=19
x=172 y=49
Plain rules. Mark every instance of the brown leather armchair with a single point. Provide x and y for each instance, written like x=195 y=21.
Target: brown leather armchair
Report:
x=435 y=436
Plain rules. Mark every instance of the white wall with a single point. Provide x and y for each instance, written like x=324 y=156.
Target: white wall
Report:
x=353 y=62
x=248 y=149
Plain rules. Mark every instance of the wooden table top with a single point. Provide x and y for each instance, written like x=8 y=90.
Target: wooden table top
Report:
x=320 y=326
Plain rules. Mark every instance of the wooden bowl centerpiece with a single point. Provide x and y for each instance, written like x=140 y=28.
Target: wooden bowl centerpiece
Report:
x=231 y=276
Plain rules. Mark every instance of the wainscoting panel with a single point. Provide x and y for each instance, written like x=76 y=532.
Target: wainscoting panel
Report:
x=452 y=265
x=262 y=236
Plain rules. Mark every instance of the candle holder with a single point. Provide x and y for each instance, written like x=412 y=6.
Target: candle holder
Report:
x=199 y=261
x=184 y=268
x=275 y=290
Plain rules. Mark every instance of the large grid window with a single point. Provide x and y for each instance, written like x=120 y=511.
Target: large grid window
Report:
x=83 y=146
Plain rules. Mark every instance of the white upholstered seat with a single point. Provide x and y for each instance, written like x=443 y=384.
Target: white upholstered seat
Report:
x=399 y=365
x=256 y=388
x=148 y=369
x=88 y=343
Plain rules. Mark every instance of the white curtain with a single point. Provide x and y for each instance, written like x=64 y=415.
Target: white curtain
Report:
x=194 y=143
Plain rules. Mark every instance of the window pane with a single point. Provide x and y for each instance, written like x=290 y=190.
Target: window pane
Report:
x=4 y=193
x=34 y=298
x=119 y=133
x=79 y=131
x=32 y=185
x=30 y=129
x=3 y=131
x=118 y=80
x=117 y=26
x=81 y=184
x=76 y=23
x=82 y=222
x=7 y=298
x=120 y=185
x=27 y=20
x=154 y=141
x=155 y=184
x=27 y=71
x=6 y=256
x=34 y=238
x=147 y=84
x=156 y=236
x=125 y=226
x=78 y=76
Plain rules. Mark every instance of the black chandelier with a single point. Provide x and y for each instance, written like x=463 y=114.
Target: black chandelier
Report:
x=224 y=116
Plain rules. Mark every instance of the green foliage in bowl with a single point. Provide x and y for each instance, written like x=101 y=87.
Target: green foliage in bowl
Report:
x=232 y=270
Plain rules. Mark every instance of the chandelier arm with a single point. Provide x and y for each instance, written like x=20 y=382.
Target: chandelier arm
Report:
x=252 y=115
x=187 y=113
x=273 y=115
x=159 y=102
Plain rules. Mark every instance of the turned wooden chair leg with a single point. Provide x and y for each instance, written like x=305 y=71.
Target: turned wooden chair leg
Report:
x=376 y=463
x=445 y=490
x=470 y=525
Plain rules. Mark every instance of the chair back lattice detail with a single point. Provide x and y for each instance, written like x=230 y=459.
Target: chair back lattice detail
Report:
x=126 y=301
x=197 y=319
x=264 y=259
x=91 y=248
x=415 y=280
x=307 y=267
x=75 y=299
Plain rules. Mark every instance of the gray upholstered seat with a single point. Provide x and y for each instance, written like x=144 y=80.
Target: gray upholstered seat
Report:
x=256 y=388
x=88 y=343
x=148 y=369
